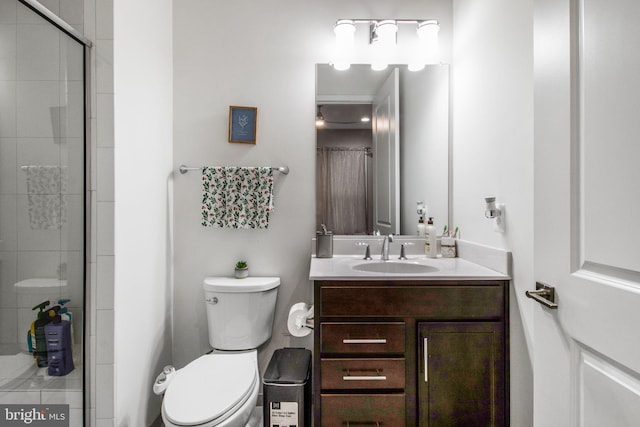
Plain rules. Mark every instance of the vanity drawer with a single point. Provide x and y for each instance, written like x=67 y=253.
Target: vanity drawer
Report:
x=362 y=374
x=363 y=410
x=362 y=338
x=442 y=301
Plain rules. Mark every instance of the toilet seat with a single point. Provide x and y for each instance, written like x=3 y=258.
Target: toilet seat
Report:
x=210 y=389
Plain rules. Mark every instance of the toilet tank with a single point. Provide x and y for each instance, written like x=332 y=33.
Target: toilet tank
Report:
x=240 y=311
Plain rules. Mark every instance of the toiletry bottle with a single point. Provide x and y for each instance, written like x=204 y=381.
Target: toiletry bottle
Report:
x=65 y=314
x=422 y=228
x=431 y=248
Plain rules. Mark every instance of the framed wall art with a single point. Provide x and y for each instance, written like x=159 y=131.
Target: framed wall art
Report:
x=243 y=123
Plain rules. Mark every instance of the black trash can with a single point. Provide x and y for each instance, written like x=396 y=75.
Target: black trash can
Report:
x=287 y=389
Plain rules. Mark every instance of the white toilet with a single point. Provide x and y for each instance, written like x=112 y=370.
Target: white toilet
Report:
x=221 y=388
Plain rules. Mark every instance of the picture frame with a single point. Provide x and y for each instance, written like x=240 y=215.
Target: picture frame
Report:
x=243 y=124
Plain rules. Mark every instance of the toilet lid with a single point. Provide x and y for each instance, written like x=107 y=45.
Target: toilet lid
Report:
x=209 y=387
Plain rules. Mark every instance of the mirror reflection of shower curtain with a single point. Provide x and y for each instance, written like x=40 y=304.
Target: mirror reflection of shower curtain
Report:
x=341 y=189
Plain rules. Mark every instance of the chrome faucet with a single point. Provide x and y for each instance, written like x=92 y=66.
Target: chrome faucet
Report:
x=384 y=255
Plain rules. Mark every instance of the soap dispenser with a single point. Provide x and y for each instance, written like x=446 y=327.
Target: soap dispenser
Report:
x=324 y=243
x=422 y=227
x=422 y=211
x=430 y=248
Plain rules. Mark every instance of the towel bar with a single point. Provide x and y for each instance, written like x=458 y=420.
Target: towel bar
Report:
x=184 y=169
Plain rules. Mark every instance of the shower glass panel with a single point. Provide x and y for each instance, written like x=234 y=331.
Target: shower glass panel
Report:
x=42 y=211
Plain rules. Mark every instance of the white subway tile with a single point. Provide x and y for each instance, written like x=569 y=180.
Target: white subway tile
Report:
x=38 y=52
x=104 y=21
x=72 y=398
x=105 y=228
x=72 y=11
x=9 y=322
x=26 y=397
x=8 y=167
x=72 y=232
x=8 y=10
x=8 y=276
x=8 y=49
x=8 y=106
x=104 y=66
x=105 y=120
x=37 y=264
x=34 y=102
x=75 y=417
x=105 y=282
x=105 y=337
x=90 y=19
x=104 y=391
x=105 y=174
x=72 y=156
x=8 y=228
x=34 y=239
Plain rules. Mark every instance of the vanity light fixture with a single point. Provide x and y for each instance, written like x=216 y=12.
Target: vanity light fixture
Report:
x=383 y=40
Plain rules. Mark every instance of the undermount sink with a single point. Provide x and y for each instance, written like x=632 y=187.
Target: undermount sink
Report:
x=395 y=267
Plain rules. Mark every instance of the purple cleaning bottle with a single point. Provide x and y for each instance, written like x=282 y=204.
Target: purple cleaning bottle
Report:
x=58 y=338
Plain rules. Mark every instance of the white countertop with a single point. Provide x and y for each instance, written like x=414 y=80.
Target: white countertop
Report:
x=340 y=267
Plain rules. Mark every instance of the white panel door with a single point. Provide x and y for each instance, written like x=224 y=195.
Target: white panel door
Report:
x=587 y=211
x=386 y=156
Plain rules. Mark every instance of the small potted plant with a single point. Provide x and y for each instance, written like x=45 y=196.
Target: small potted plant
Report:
x=242 y=269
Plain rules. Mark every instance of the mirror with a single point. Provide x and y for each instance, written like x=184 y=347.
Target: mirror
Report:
x=370 y=175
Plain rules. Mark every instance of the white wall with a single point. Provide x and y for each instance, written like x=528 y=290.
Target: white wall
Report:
x=492 y=81
x=142 y=158
x=259 y=54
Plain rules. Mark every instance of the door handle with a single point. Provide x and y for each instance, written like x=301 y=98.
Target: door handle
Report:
x=425 y=345
x=544 y=294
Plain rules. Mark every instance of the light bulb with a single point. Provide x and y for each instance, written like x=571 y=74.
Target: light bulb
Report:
x=428 y=41
x=383 y=41
x=344 y=31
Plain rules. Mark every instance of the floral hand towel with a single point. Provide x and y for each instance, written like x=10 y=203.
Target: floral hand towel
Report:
x=236 y=197
x=46 y=188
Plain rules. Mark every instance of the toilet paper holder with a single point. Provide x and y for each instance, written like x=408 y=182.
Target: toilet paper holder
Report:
x=298 y=321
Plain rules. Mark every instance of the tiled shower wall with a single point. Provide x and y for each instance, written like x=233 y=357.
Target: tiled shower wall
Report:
x=99 y=28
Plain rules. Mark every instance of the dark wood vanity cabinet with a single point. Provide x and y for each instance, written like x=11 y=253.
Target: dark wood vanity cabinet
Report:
x=411 y=353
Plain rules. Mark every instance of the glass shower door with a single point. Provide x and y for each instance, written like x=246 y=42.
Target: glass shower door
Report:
x=42 y=212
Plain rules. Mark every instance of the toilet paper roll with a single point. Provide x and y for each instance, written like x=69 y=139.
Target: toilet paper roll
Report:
x=297 y=320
